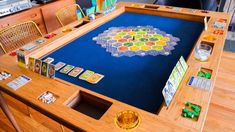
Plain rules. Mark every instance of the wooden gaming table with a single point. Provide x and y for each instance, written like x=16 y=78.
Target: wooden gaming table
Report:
x=123 y=87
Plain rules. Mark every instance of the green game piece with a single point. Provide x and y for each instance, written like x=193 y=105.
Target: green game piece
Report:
x=197 y=110
x=188 y=104
x=195 y=114
x=193 y=107
x=184 y=114
x=190 y=115
x=185 y=110
x=207 y=75
x=201 y=74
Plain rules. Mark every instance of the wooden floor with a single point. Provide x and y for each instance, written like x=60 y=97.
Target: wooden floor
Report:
x=221 y=115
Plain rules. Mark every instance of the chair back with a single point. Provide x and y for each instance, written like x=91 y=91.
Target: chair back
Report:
x=13 y=37
x=69 y=14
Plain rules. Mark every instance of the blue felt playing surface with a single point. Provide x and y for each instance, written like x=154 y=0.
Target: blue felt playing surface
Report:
x=137 y=81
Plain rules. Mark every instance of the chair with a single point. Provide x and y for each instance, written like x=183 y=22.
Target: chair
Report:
x=88 y=6
x=69 y=14
x=13 y=37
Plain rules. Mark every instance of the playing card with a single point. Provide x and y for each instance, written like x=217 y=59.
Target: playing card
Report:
x=76 y=71
x=21 y=58
x=44 y=69
x=51 y=71
x=183 y=63
x=29 y=46
x=19 y=82
x=37 y=66
x=167 y=96
x=85 y=75
x=59 y=65
x=48 y=60
x=95 y=78
x=67 y=69
x=31 y=64
x=180 y=69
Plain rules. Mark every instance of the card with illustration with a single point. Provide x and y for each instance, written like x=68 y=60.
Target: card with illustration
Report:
x=67 y=69
x=167 y=97
x=183 y=63
x=51 y=71
x=48 y=60
x=59 y=65
x=21 y=58
x=180 y=69
x=31 y=64
x=177 y=76
x=76 y=71
x=37 y=66
x=44 y=69
x=85 y=75
x=95 y=78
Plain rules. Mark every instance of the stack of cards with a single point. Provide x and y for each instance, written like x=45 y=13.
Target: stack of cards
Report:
x=200 y=83
x=4 y=75
x=19 y=82
x=91 y=77
x=174 y=80
x=85 y=75
x=42 y=67
x=59 y=65
x=48 y=60
x=66 y=69
x=76 y=71
x=21 y=58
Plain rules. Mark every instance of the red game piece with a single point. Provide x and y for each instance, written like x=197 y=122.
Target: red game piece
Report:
x=51 y=35
x=13 y=53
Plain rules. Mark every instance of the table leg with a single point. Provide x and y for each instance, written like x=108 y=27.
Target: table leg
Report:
x=7 y=112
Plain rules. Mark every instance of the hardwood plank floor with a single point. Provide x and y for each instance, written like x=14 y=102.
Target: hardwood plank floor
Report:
x=221 y=114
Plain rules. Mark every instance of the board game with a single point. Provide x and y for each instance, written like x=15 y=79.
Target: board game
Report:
x=136 y=40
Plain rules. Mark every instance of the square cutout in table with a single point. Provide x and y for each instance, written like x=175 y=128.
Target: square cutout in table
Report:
x=89 y=105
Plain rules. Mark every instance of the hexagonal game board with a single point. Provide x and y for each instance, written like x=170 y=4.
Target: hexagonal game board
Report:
x=139 y=40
